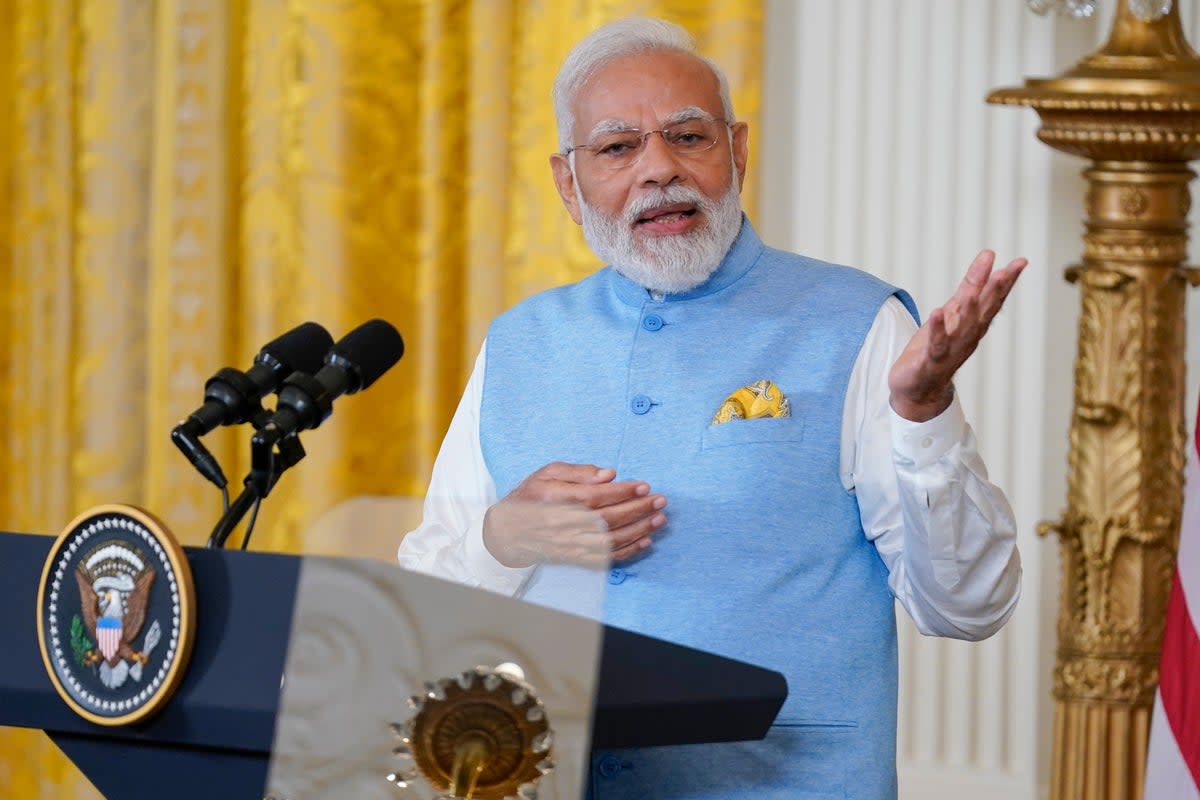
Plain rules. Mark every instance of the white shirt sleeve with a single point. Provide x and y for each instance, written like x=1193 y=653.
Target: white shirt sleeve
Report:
x=946 y=534
x=449 y=541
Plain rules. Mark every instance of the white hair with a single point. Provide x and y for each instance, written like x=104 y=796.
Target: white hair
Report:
x=625 y=37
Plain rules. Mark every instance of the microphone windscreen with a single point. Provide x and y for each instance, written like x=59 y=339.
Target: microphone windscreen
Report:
x=302 y=349
x=369 y=350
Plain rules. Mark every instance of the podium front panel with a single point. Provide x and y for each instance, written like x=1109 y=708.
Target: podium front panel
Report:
x=367 y=636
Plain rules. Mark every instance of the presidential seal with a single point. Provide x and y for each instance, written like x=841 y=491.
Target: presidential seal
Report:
x=116 y=615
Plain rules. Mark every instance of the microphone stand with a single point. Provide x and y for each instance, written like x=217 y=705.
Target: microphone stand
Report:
x=232 y=516
x=266 y=467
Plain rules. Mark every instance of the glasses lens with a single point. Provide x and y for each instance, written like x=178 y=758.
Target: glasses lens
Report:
x=693 y=136
x=616 y=150
x=623 y=148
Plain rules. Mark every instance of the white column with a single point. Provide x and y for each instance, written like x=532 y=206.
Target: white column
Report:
x=879 y=151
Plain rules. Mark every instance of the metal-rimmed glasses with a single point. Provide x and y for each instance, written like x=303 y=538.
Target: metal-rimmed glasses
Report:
x=622 y=148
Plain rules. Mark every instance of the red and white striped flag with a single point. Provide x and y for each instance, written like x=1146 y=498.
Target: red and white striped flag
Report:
x=1173 y=767
x=108 y=636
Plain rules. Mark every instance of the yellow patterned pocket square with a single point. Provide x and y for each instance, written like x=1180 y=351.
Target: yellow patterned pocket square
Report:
x=759 y=399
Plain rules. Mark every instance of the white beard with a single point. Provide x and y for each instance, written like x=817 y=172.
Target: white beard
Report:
x=665 y=264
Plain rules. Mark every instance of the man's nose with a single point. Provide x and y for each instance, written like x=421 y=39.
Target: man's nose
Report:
x=659 y=164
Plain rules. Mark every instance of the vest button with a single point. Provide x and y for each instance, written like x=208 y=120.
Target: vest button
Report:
x=652 y=322
x=617 y=576
x=609 y=766
x=640 y=404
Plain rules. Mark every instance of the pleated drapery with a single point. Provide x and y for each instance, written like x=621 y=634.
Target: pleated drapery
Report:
x=183 y=180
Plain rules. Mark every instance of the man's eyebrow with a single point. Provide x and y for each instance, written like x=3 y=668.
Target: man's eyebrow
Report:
x=605 y=126
x=614 y=125
x=687 y=114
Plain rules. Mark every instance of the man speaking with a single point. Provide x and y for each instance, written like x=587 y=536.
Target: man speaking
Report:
x=770 y=447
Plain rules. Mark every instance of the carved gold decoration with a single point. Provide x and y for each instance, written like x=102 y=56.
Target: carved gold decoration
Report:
x=1133 y=202
x=1134 y=109
x=483 y=735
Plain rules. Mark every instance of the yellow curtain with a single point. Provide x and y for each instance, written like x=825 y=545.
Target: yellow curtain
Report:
x=182 y=180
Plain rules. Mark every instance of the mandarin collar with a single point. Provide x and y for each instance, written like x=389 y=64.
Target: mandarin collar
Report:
x=742 y=255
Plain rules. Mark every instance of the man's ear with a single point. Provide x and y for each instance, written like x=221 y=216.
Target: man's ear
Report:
x=564 y=181
x=741 y=135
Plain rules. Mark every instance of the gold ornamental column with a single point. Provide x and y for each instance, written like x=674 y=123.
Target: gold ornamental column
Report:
x=1133 y=108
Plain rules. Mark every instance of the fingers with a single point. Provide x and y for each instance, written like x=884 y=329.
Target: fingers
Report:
x=585 y=545
x=521 y=533
x=920 y=380
x=979 y=297
x=633 y=539
x=980 y=269
x=584 y=484
x=574 y=473
x=573 y=513
x=619 y=515
x=632 y=549
x=597 y=497
x=631 y=522
x=939 y=336
x=631 y=525
x=962 y=308
x=999 y=286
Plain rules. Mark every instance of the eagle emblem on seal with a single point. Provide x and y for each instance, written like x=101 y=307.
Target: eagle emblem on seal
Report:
x=114 y=590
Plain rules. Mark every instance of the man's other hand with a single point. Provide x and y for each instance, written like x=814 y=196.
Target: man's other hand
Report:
x=921 y=379
x=573 y=513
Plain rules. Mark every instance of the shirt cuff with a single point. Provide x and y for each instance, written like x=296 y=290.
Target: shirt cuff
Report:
x=919 y=444
x=490 y=572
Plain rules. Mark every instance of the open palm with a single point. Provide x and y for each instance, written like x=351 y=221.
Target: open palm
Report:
x=921 y=380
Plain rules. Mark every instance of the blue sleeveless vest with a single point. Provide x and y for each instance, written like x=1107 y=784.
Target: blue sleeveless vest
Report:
x=763 y=558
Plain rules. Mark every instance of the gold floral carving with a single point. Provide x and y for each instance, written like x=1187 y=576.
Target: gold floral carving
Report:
x=1133 y=202
x=1139 y=120
x=1105 y=681
x=1125 y=248
x=1102 y=103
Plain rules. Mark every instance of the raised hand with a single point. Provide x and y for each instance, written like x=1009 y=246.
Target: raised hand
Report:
x=572 y=513
x=921 y=379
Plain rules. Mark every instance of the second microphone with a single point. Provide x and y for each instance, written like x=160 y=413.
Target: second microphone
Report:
x=354 y=363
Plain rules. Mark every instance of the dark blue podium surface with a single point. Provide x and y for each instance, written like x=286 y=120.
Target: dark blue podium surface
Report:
x=215 y=734
x=224 y=707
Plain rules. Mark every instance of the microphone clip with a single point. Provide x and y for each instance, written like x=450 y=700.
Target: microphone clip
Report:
x=266 y=466
x=271 y=454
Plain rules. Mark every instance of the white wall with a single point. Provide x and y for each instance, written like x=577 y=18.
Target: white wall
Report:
x=878 y=150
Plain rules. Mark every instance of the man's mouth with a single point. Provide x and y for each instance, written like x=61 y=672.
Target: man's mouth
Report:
x=667 y=214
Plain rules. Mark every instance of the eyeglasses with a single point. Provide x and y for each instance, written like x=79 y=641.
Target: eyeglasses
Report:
x=620 y=149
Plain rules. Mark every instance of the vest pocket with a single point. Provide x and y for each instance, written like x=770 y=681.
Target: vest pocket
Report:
x=768 y=430
x=820 y=753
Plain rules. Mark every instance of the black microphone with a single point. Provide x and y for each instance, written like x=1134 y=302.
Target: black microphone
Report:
x=305 y=401
x=353 y=364
x=232 y=397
